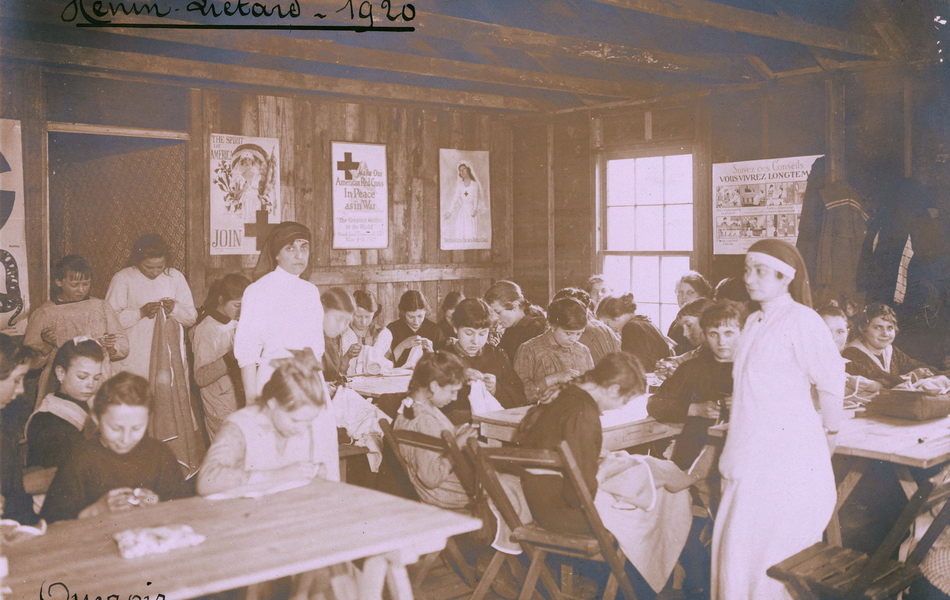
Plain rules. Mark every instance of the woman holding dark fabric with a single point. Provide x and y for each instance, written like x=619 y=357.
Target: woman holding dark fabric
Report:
x=778 y=490
x=154 y=304
x=520 y=319
x=413 y=329
x=638 y=335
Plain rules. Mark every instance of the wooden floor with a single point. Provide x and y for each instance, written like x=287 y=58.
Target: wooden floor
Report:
x=444 y=584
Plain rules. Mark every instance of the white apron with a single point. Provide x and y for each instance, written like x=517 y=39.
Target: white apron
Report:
x=778 y=486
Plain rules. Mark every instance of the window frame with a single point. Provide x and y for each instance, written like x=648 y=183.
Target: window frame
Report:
x=644 y=151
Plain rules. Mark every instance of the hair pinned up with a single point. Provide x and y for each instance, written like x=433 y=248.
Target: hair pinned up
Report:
x=296 y=381
x=506 y=293
x=472 y=312
x=12 y=355
x=337 y=298
x=575 y=293
x=412 y=300
x=124 y=389
x=150 y=245
x=568 y=313
x=614 y=307
x=873 y=311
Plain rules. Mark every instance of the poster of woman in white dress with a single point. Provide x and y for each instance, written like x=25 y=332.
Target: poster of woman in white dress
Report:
x=465 y=203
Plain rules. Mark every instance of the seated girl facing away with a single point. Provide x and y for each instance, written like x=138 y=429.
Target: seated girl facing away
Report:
x=638 y=335
x=435 y=383
x=555 y=356
x=123 y=468
x=573 y=416
x=54 y=432
x=288 y=436
x=872 y=354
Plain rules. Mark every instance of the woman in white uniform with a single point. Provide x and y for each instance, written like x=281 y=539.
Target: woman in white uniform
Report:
x=778 y=486
x=281 y=312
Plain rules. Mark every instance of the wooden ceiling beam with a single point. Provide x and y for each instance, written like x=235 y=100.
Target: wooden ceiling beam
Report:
x=96 y=58
x=323 y=51
x=455 y=29
x=753 y=22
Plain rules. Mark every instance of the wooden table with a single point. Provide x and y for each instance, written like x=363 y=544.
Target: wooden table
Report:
x=500 y=426
x=248 y=541
x=374 y=386
x=900 y=442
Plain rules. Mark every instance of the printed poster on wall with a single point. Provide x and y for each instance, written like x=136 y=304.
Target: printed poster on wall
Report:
x=758 y=199
x=360 y=196
x=245 y=192
x=465 y=205
x=14 y=291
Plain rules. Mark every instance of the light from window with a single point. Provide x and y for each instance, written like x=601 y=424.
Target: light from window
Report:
x=648 y=220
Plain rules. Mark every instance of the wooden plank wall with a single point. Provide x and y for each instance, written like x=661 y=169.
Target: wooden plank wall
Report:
x=867 y=143
x=305 y=127
x=530 y=210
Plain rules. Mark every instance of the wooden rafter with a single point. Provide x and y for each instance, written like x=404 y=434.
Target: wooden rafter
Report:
x=454 y=28
x=741 y=20
x=176 y=67
x=317 y=50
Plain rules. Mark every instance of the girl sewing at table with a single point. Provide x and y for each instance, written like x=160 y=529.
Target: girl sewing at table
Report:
x=556 y=356
x=483 y=362
x=54 y=431
x=599 y=338
x=519 y=319
x=872 y=353
x=413 y=330
x=123 y=468
x=279 y=439
x=572 y=414
x=374 y=339
x=435 y=383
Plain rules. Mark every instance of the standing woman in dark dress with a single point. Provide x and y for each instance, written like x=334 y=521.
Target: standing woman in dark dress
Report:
x=413 y=328
x=638 y=335
x=512 y=311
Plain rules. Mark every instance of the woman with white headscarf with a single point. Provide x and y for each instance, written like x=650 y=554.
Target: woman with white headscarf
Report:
x=778 y=489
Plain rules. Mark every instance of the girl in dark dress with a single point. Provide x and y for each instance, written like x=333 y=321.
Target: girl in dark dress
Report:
x=512 y=311
x=123 y=468
x=472 y=320
x=413 y=328
x=449 y=303
x=573 y=415
x=55 y=430
x=638 y=335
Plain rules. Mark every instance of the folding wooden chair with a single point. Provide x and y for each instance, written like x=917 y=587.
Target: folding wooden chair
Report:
x=452 y=554
x=828 y=571
x=600 y=545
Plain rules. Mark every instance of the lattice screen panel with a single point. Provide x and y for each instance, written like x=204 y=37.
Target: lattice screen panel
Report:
x=99 y=207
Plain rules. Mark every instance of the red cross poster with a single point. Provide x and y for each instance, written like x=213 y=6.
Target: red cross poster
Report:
x=14 y=288
x=245 y=192
x=757 y=199
x=360 y=196
x=465 y=205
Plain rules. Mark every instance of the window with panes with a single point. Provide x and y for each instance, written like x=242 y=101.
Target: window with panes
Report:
x=646 y=212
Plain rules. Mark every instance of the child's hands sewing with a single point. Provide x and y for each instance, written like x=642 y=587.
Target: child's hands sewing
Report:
x=353 y=352
x=560 y=377
x=490 y=381
x=150 y=309
x=120 y=499
x=463 y=432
